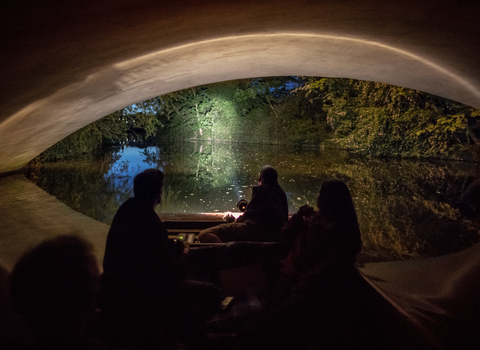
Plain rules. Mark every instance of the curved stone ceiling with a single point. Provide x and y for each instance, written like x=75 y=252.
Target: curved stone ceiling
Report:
x=66 y=65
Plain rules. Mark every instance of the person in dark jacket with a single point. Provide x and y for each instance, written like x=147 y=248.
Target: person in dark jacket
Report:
x=263 y=219
x=144 y=273
x=317 y=296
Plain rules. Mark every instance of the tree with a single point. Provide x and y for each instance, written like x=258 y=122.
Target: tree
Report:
x=382 y=119
x=227 y=111
x=366 y=117
x=135 y=121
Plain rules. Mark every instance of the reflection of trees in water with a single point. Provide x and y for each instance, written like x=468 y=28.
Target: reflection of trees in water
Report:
x=86 y=186
x=207 y=173
x=152 y=156
x=170 y=198
x=406 y=208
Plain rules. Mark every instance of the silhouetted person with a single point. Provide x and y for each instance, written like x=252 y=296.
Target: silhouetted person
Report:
x=331 y=235
x=263 y=219
x=55 y=288
x=317 y=291
x=144 y=274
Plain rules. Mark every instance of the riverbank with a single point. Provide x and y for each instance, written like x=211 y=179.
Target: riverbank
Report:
x=30 y=215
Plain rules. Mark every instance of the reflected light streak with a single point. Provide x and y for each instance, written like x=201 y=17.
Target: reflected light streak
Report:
x=234 y=214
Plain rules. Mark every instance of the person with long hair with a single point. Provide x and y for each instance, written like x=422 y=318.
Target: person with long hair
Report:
x=327 y=240
x=319 y=277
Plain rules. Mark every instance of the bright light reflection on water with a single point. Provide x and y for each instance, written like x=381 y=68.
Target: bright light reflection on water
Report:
x=407 y=207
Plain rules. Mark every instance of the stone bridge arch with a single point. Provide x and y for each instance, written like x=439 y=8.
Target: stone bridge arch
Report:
x=65 y=65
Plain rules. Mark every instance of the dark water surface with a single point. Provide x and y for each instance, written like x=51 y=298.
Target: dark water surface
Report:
x=406 y=208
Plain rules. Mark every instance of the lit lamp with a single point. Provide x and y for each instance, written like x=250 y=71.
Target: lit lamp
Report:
x=242 y=205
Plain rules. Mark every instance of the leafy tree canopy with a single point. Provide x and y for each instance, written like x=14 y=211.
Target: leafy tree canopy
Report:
x=365 y=117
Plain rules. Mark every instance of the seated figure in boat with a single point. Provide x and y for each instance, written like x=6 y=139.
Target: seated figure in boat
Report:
x=325 y=240
x=318 y=287
x=144 y=274
x=263 y=219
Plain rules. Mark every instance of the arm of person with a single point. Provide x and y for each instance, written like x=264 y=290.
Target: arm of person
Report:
x=295 y=225
x=168 y=255
x=183 y=258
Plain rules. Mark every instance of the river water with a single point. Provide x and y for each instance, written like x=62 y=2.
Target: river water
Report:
x=406 y=208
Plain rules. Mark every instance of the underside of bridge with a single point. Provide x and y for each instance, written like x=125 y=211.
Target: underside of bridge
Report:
x=66 y=64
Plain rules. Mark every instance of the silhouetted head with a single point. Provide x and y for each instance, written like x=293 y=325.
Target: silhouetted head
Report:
x=268 y=175
x=55 y=286
x=334 y=201
x=147 y=186
x=336 y=224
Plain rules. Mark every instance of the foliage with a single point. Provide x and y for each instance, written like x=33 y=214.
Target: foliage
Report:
x=381 y=119
x=243 y=110
x=131 y=123
x=406 y=208
x=73 y=182
x=366 y=117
